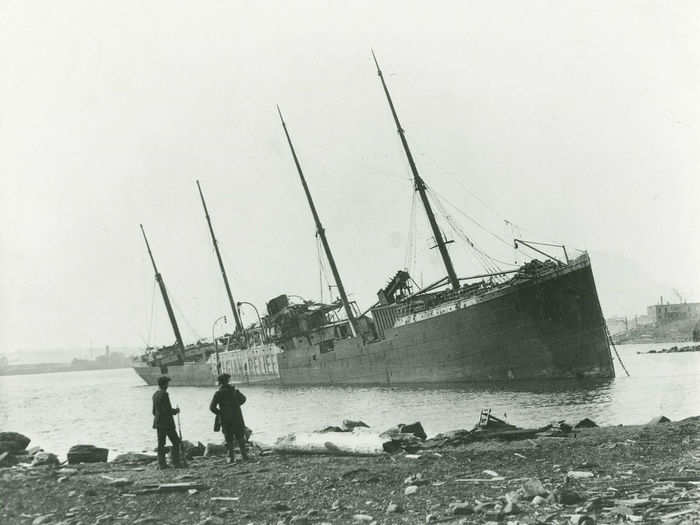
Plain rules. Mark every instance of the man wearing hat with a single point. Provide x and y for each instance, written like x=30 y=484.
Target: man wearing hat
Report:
x=226 y=404
x=164 y=423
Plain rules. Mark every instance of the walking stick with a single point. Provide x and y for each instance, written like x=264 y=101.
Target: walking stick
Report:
x=181 y=445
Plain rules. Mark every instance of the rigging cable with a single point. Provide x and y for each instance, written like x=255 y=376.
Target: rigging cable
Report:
x=182 y=315
x=488 y=262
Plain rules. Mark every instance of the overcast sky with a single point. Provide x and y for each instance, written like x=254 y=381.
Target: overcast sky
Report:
x=578 y=122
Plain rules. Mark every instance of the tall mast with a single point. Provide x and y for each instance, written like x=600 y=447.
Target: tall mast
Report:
x=420 y=186
x=236 y=316
x=166 y=300
x=322 y=234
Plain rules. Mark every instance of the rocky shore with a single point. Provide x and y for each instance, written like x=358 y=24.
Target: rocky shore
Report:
x=632 y=474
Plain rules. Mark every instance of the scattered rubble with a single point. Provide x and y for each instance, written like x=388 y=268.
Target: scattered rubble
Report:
x=652 y=476
x=674 y=349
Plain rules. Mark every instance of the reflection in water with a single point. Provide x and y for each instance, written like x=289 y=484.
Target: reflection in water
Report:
x=112 y=408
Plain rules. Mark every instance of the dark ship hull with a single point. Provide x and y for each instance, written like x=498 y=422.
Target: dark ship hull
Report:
x=548 y=327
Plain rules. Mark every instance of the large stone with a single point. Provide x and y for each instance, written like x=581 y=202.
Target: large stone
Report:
x=192 y=450
x=87 y=454
x=414 y=428
x=586 y=423
x=45 y=459
x=13 y=442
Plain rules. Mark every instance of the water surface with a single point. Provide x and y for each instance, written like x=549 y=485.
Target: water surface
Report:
x=112 y=408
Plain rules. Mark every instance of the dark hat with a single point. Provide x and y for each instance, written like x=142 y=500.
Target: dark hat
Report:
x=163 y=380
x=223 y=379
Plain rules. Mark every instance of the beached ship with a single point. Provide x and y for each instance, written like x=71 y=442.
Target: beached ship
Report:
x=541 y=320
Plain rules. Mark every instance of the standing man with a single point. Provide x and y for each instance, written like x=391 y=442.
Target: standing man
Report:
x=164 y=423
x=226 y=404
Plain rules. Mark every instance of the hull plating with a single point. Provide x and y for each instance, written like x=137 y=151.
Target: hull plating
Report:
x=550 y=328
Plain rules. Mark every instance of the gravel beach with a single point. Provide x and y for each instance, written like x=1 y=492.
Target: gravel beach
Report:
x=622 y=474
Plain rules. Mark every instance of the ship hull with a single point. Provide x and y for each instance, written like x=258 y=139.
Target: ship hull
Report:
x=549 y=328
x=189 y=374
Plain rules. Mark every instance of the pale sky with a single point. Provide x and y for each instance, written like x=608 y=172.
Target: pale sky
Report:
x=577 y=121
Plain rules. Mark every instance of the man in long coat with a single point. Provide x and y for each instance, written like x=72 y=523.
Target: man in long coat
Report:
x=226 y=404
x=164 y=423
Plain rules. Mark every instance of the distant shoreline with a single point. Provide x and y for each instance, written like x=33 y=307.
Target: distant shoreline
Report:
x=52 y=368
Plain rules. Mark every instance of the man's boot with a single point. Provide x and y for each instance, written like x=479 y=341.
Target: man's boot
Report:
x=231 y=453
x=244 y=451
x=175 y=455
x=162 y=463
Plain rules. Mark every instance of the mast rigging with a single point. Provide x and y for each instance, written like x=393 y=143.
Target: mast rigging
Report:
x=236 y=316
x=166 y=300
x=322 y=234
x=420 y=187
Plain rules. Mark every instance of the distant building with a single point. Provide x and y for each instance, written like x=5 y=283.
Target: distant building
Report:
x=666 y=313
x=617 y=325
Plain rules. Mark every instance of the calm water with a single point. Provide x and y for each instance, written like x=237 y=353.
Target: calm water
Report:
x=112 y=408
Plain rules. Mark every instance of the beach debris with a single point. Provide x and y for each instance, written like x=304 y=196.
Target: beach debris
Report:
x=212 y=520
x=586 y=423
x=492 y=473
x=116 y=482
x=460 y=508
x=145 y=520
x=349 y=425
x=13 y=442
x=87 y=454
x=413 y=428
x=394 y=508
x=568 y=496
x=404 y=437
x=658 y=420
x=533 y=487
x=581 y=519
x=134 y=458
x=579 y=474
x=225 y=498
x=415 y=479
x=410 y=490
x=280 y=506
x=45 y=459
x=360 y=441
x=365 y=518
x=44 y=518
x=179 y=487
x=538 y=500
x=555 y=429
x=331 y=429
x=192 y=450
